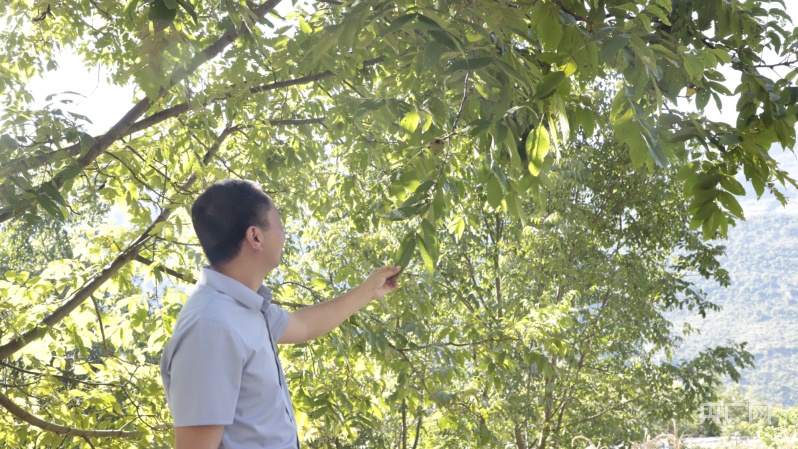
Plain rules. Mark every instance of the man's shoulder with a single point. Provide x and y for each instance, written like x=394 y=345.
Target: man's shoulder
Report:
x=208 y=305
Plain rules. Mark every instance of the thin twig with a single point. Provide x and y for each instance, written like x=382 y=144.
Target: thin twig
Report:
x=100 y=319
x=88 y=441
x=462 y=104
x=185 y=278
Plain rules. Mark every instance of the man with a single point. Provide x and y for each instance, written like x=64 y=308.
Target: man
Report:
x=223 y=380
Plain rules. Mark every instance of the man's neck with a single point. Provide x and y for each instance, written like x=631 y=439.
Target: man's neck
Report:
x=241 y=272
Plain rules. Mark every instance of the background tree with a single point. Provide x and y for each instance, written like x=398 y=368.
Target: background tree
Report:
x=331 y=109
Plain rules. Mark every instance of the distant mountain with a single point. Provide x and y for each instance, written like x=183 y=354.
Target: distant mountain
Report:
x=761 y=305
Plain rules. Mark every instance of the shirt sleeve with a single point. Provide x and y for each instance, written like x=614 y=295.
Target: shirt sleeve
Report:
x=205 y=370
x=278 y=321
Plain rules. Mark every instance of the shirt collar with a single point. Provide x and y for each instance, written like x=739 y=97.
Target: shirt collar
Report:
x=259 y=300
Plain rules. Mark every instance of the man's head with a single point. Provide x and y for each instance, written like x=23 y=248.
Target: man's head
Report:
x=234 y=218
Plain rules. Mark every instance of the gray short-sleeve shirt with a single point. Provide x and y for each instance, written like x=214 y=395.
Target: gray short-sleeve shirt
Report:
x=220 y=366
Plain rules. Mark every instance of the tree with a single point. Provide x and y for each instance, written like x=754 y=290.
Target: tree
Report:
x=784 y=433
x=353 y=94
x=566 y=315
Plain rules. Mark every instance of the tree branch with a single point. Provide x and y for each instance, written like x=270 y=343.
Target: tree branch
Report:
x=100 y=145
x=460 y=296
x=81 y=295
x=460 y=345
x=33 y=162
x=404 y=424
x=418 y=429
x=23 y=415
x=185 y=278
x=100 y=320
x=496 y=267
x=784 y=63
x=462 y=103
x=88 y=289
x=307 y=121
x=597 y=415
x=59 y=376
x=571 y=13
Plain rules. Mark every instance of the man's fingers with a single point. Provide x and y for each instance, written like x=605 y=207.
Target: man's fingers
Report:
x=392 y=278
x=391 y=270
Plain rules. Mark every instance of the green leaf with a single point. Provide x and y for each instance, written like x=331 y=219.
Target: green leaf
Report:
x=587 y=120
x=71 y=171
x=460 y=65
x=495 y=193
x=130 y=8
x=157 y=228
x=538 y=145
x=547 y=86
x=456 y=227
x=406 y=249
x=659 y=13
x=410 y=122
x=189 y=9
x=506 y=68
x=405 y=212
x=51 y=208
x=432 y=55
x=611 y=48
x=759 y=186
x=326 y=40
x=86 y=141
x=559 y=116
x=50 y=190
x=628 y=132
x=503 y=181
x=694 y=68
x=428 y=244
x=654 y=147
x=514 y=205
x=550 y=29
x=708 y=180
x=730 y=139
x=702 y=99
x=304 y=26
x=703 y=197
x=161 y=13
x=731 y=184
x=439 y=204
x=446 y=39
x=601 y=34
x=397 y=24
x=731 y=204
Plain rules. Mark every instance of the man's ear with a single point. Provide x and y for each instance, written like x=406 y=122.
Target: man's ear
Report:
x=253 y=237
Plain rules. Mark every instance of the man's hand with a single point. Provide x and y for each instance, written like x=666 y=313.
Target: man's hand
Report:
x=380 y=282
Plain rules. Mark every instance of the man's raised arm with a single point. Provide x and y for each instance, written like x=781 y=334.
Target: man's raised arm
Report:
x=314 y=321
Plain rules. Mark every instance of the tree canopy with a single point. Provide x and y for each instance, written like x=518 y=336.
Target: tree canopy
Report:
x=545 y=231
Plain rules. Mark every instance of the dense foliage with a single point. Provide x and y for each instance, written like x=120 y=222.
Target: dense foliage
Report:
x=546 y=236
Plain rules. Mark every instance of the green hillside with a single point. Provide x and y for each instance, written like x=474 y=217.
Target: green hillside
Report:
x=761 y=305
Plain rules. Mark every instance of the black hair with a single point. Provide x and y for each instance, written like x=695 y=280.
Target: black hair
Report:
x=222 y=214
